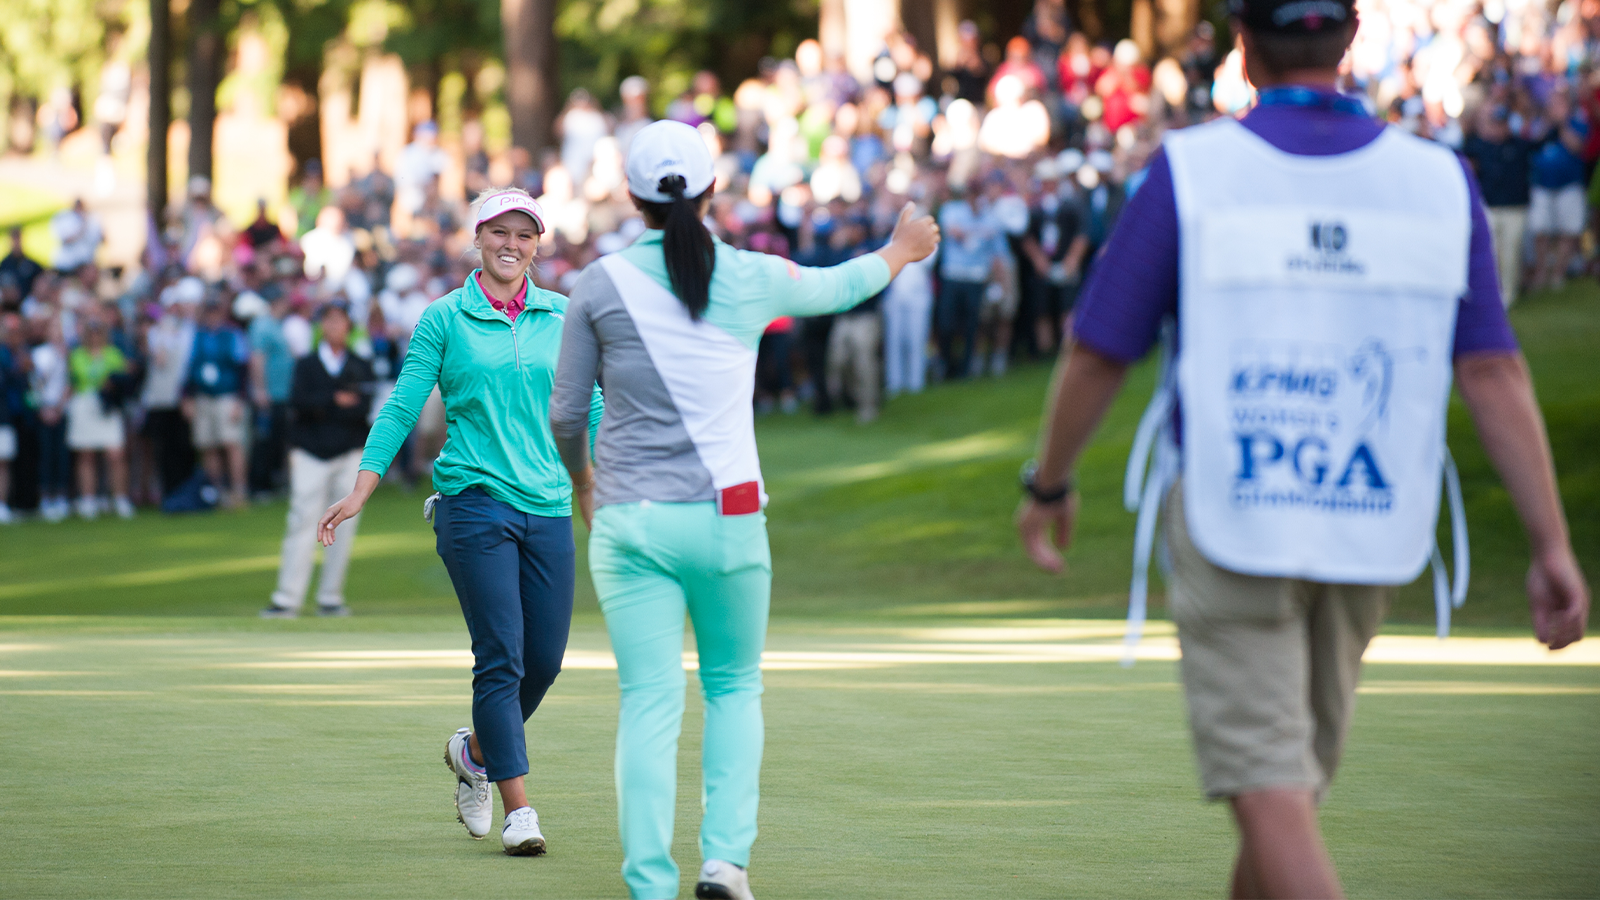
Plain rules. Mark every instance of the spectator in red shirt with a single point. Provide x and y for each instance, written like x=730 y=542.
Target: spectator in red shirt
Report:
x=1077 y=69
x=1124 y=88
x=1019 y=62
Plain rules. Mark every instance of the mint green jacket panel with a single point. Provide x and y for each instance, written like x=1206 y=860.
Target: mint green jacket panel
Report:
x=749 y=289
x=495 y=377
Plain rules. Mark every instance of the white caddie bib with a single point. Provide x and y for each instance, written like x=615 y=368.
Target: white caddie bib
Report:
x=1317 y=309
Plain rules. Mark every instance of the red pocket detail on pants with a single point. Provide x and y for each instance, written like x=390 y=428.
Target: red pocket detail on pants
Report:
x=739 y=500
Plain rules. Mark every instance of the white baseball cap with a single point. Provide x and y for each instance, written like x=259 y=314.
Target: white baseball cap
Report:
x=668 y=148
x=509 y=201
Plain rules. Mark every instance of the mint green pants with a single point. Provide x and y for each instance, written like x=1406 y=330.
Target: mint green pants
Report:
x=651 y=563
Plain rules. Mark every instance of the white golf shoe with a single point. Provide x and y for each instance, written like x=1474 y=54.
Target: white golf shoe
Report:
x=521 y=836
x=474 y=803
x=722 y=880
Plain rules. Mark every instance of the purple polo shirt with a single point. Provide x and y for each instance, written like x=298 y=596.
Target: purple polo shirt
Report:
x=1135 y=282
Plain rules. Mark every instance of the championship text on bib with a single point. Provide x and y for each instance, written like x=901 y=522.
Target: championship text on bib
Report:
x=1317 y=313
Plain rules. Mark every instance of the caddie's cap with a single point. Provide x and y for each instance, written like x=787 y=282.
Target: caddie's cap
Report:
x=1292 y=16
x=668 y=148
x=509 y=201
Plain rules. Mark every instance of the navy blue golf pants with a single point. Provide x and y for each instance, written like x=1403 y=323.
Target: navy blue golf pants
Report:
x=513 y=573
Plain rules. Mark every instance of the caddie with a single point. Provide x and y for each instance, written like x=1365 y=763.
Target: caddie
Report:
x=1324 y=276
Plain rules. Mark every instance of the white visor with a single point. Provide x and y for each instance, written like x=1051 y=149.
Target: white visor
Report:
x=668 y=148
x=500 y=204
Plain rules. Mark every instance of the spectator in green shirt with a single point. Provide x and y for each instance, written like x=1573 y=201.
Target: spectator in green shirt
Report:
x=94 y=418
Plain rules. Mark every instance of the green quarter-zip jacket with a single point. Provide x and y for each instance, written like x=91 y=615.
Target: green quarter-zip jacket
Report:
x=495 y=376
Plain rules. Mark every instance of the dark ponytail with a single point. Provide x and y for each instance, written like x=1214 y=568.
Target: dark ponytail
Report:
x=690 y=253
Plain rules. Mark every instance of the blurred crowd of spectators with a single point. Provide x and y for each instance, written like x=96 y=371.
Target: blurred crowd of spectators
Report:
x=171 y=385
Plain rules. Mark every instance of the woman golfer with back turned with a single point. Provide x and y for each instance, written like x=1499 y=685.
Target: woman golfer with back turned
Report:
x=673 y=322
x=503 y=513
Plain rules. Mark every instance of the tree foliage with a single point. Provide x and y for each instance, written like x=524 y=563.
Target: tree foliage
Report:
x=604 y=41
x=50 y=44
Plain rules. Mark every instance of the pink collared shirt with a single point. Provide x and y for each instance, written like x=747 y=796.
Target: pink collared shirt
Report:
x=512 y=309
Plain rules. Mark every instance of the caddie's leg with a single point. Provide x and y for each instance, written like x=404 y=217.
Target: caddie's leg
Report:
x=1341 y=624
x=1280 y=847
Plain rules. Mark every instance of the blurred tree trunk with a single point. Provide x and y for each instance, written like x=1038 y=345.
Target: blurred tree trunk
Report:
x=1142 y=27
x=531 y=75
x=831 y=28
x=205 y=72
x=160 y=57
x=918 y=19
x=1088 y=17
x=1175 y=21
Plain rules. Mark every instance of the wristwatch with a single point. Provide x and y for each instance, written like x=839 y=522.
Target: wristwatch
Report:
x=1030 y=485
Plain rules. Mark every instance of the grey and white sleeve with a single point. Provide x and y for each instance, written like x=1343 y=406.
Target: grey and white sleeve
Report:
x=571 y=396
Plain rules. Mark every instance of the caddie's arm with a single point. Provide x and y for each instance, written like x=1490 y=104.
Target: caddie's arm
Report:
x=1086 y=383
x=1499 y=394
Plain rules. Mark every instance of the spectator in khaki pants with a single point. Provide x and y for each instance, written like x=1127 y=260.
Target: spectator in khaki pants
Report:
x=213 y=406
x=328 y=406
x=1500 y=159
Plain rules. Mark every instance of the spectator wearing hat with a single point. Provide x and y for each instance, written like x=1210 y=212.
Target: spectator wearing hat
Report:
x=421 y=161
x=1016 y=127
x=852 y=360
x=1124 y=88
x=329 y=403
x=168 y=345
x=1053 y=252
x=329 y=249
x=203 y=225
x=217 y=376
x=1557 y=202
x=635 y=114
x=909 y=121
x=271 y=379
x=1501 y=160
x=971 y=71
x=965 y=264
x=79 y=234
x=49 y=382
x=1019 y=64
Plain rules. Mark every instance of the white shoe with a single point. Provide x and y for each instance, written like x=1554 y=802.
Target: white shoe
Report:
x=53 y=510
x=88 y=508
x=521 y=835
x=6 y=515
x=722 y=880
x=124 y=508
x=474 y=803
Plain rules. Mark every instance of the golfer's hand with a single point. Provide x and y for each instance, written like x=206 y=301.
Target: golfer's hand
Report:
x=1558 y=598
x=583 y=495
x=584 y=499
x=915 y=237
x=1046 y=530
x=347 y=508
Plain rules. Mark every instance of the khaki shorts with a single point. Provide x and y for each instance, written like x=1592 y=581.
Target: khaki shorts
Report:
x=1269 y=667
x=217 y=421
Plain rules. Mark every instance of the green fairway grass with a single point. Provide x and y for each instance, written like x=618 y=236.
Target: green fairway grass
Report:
x=943 y=720
x=177 y=759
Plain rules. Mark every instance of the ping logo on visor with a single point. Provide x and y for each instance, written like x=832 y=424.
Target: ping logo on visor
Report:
x=500 y=204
